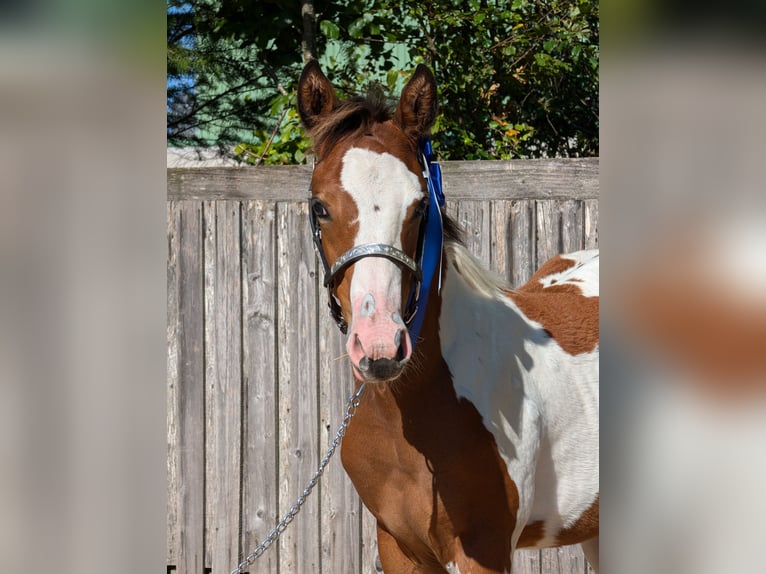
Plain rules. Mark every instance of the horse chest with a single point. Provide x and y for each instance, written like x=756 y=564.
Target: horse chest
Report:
x=432 y=478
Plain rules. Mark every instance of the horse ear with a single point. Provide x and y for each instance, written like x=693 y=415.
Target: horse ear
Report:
x=416 y=111
x=316 y=96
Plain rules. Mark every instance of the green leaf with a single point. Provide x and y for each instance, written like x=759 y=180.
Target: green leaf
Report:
x=329 y=29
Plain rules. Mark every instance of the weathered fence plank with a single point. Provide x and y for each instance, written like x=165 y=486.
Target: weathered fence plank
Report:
x=370 y=558
x=189 y=390
x=499 y=237
x=298 y=379
x=223 y=376
x=259 y=368
x=481 y=180
x=474 y=217
x=528 y=562
x=340 y=517
x=174 y=325
x=257 y=379
x=590 y=223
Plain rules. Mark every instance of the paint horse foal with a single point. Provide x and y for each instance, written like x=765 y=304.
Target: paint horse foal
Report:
x=478 y=429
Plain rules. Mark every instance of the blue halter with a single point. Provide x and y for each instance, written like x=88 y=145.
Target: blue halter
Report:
x=431 y=258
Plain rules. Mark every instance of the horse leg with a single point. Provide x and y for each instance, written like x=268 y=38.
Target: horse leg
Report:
x=590 y=549
x=395 y=561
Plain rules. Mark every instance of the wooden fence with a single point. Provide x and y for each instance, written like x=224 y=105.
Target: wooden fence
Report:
x=256 y=382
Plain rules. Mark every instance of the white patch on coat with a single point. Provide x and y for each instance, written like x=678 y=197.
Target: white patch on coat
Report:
x=383 y=188
x=452 y=568
x=583 y=274
x=539 y=402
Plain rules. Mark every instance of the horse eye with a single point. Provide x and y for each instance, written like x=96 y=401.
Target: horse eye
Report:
x=319 y=209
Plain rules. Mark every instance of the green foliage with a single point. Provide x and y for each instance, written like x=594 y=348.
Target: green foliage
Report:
x=516 y=79
x=241 y=54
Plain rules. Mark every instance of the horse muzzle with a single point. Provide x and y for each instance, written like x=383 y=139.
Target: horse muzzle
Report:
x=379 y=343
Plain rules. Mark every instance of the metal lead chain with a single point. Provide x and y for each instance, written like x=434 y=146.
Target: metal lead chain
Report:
x=351 y=406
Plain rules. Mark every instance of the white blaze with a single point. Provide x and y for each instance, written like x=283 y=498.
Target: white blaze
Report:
x=382 y=188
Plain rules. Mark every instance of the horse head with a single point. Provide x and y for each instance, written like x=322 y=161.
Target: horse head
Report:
x=369 y=201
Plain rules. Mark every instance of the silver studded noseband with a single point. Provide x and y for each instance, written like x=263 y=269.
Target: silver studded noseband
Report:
x=359 y=252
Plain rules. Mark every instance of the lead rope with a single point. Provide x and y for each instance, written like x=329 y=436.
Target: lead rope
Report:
x=351 y=406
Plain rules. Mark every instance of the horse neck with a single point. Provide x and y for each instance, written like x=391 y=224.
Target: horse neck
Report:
x=466 y=318
x=483 y=336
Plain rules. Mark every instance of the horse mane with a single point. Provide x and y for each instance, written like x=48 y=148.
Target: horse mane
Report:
x=352 y=117
x=486 y=282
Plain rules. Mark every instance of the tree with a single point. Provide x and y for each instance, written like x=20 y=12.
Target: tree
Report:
x=516 y=79
x=240 y=54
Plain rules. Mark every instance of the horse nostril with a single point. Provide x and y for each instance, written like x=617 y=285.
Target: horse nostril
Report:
x=401 y=345
x=364 y=363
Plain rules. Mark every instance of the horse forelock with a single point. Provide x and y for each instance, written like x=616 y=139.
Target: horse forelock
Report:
x=351 y=118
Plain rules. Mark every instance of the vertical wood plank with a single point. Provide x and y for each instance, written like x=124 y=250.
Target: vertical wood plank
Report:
x=451 y=209
x=190 y=389
x=223 y=381
x=548 y=231
x=340 y=506
x=572 y=213
x=522 y=241
x=500 y=239
x=564 y=560
x=173 y=326
x=298 y=401
x=370 y=558
x=259 y=465
x=474 y=218
x=527 y=561
x=590 y=223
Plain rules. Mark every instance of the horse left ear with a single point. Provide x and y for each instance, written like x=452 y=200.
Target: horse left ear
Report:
x=316 y=96
x=416 y=111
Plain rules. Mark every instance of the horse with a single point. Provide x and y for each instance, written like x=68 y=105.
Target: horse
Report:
x=477 y=432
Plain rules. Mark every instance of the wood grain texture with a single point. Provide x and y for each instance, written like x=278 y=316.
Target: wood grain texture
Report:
x=572 y=178
x=590 y=223
x=223 y=381
x=474 y=217
x=340 y=518
x=521 y=179
x=572 y=236
x=259 y=367
x=529 y=562
x=547 y=231
x=370 y=557
x=523 y=239
x=501 y=257
x=190 y=390
x=173 y=327
x=298 y=401
x=563 y=560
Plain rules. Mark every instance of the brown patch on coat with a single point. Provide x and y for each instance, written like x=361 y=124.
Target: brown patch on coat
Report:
x=554 y=265
x=569 y=317
x=532 y=534
x=585 y=528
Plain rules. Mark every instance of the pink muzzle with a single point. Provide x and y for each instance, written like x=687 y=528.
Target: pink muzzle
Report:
x=379 y=344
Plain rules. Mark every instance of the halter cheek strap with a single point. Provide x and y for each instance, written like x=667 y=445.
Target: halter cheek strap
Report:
x=431 y=259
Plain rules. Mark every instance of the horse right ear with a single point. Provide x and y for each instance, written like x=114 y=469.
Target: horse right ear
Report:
x=316 y=96
x=416 y=111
